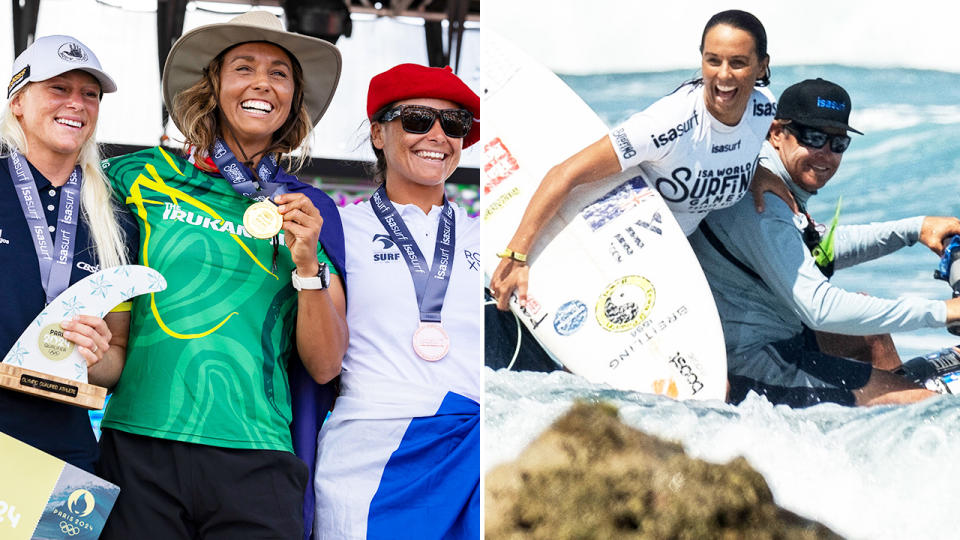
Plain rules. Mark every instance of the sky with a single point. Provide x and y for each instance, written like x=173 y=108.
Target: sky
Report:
x=598 y=36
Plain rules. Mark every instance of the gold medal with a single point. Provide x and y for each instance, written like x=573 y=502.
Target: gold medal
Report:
x=262 y=220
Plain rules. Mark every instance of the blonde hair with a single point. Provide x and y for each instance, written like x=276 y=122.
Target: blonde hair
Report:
x=196 y=111
x=96 y=201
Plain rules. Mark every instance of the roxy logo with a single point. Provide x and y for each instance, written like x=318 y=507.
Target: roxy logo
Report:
x=87 y=267
x=473 y=259
x=675 y=133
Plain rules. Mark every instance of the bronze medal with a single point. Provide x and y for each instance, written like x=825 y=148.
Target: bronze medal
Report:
x=431 y=341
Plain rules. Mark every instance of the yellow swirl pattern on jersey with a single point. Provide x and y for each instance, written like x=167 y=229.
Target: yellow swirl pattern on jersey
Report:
x=157 y=184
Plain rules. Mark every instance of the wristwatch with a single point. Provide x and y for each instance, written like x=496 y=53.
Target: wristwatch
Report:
x=318 y=282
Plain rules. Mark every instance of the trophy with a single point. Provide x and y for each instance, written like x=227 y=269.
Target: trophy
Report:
x=43 y=363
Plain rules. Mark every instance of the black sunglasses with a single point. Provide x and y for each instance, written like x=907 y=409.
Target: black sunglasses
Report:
x=814 y=138
x=418 y=119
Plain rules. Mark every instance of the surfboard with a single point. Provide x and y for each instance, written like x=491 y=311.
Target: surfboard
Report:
x=616 y=294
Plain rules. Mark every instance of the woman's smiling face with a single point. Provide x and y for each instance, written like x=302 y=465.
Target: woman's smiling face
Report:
x=59 y=114
x=730 y=69
x=426 y=159
x=256 y=93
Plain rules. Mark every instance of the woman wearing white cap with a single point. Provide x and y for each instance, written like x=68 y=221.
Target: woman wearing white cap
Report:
x=50 y=162
x=197 y=433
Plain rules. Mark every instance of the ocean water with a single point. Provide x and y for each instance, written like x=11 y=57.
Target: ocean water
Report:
x=877 y=473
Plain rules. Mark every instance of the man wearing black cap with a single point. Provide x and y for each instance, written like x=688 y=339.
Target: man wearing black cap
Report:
x=769 y=271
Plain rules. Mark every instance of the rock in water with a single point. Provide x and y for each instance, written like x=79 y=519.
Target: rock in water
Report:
x=591 y=476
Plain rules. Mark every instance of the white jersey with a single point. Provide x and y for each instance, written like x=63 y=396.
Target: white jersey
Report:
x=696 y=162
x=370 y=444
x=382 y=312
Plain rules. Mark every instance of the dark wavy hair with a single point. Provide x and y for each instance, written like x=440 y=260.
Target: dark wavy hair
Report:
x=747 y=22
x=378 y=169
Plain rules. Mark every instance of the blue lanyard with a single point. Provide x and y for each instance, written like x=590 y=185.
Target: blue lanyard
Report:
x=239 y=176
x=56 y=257
x=430 y=283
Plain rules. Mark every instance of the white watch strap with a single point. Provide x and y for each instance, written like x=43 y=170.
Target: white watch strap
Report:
x=309 y=283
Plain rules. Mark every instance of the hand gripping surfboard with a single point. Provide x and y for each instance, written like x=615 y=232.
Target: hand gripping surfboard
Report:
x=616 y=294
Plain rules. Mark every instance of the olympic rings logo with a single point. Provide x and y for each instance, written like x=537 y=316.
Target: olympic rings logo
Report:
x=69 y=528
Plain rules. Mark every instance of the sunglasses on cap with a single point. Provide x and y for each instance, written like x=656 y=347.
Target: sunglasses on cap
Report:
x=815 y=138
x=456 y=123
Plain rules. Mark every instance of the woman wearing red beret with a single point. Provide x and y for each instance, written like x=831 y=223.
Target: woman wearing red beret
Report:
x=400 y=455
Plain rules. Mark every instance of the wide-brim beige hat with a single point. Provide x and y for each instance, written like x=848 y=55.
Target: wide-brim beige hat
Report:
x=319 y=59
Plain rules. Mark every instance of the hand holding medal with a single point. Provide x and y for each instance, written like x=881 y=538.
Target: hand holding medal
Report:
x=301 y=224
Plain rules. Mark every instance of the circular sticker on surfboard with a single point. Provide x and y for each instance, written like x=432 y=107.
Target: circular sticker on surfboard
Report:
x=625 y=303
x=569 y=317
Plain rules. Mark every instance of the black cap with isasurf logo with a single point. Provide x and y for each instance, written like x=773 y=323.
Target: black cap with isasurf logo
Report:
x=816 y=103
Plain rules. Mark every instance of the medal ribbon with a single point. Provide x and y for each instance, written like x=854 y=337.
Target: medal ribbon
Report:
x=430 y=283
x=54 y=271
x=239 y=177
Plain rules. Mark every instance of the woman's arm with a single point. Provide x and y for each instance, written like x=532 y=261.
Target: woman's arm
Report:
x=321 y=314
x=593 y=163
x=322 y=329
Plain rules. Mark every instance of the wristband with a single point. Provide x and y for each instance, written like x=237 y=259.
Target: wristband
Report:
x=508 y=253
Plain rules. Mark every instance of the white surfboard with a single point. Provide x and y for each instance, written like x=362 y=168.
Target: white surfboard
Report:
x=616 y=294
x=42 y=348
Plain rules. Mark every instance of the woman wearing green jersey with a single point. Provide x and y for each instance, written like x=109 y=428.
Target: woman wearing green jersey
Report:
x=197 y=434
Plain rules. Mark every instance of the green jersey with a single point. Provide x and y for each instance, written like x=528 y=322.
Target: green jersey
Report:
x=207 y=357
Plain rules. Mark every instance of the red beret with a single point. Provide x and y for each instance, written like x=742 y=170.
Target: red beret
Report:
x=409 y=81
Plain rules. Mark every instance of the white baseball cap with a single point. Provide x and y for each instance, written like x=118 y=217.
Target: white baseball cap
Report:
x=50 y=56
